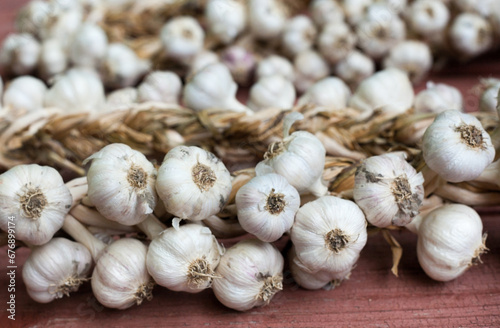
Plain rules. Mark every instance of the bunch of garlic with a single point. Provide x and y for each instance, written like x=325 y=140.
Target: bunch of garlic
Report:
x=271 y=91
x=331 y=93
x=23 y=95
x=438 y=97
x=162 y=86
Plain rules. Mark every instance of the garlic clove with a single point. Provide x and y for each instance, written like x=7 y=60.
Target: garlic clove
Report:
x=122 y=67
x=331 y=93
x=23 y=95
x=310 y=67
x=19 y=53
x=226 y=19
x=182 y=38
x=162 y=86
x=413 y=57
x=298 y=35
x=438 y=97
x=275 y=65
x=271 y=91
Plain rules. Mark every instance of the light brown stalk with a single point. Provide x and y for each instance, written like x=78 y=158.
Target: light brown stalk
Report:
x=152 y=227
x=91 y=217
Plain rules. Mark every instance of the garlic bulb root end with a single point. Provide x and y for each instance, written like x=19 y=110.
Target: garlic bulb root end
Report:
x=144 y=292
x=272 y=285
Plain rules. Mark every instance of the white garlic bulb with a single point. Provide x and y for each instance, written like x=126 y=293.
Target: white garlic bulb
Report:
x=275 y=65
x=271 y=91
x=355 y=10
x=388 y=190
x=325 y=11
x=53 y=59
x=19 y=53
x=471 y=34
x=162 y=86
x=298 y=35
x=184 y=259
x=438 y=97
x=213 y=87
x=182 y=38
x=266 y=206
x=200 y=61
x=310 y=67
x=23 y=95
x=122 y=67
x=121 y=98
x=328 y=234
x=331 y=93
x=299 y=158
x=389 y=90
x=33 y=16
x=450 y=241
x=336 y=41
x=488 y=100
x=81 y=54
x=193 y=183
x=481 y=7
x=456 y=146
x=428 y=18
x=226 y=19
x=412 y=57
x=250 y=275
x=266 y=18
x=62 y=24
x=241 y=63
x=34 y=200
x=56 y=269
x=120 y=278
x=354 y=68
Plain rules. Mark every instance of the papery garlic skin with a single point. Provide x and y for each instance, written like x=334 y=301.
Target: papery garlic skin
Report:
x=471 y=34
x=354 y=68
x=271 y=91
x=36 y=200
x=428 y=17
x=325 y=11
x=336 y=41
x=450 y=240
x=266 y=206
x=251 y=274
x=120 y=278
x=275 y=65
x=298 y=35
x=121 y=183
x=331 y=93
x=328 y=234
x=437 y=98
x=162 y=86
x=241 y=63
x=457 y=147
x=184 y=259
x=182 y=38
x=23 y=95
x=310 y=67
x=413 y=57
x=53 y=59
x=19 y=53
x=266 y=18
x=79 y=51
x=122 y=67
x=226 y=19
x=193 y=183
x=56 y=269
x=388 y=190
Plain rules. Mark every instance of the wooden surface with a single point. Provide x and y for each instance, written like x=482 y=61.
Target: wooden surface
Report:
x=372 y=297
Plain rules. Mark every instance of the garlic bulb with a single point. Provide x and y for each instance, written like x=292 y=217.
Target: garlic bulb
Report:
x=481 y=7
x=412 y=57
x=310 y=67
x=213 y=87
x=457 y=147
x=56 y=269
x=182 y=38
x=33 y=16
x=388 y=190
x=19 y=53
x=488 y=100
x=193 y=183
x=200 y=61
x=271 y=91
x=275 y=65
x=428 y=18
x=389 y=90
x=81 y=54
x=184 y=259
x=331 y=93
x=162 y=86
x=299 y=158
x=298 y=35
x=122 y=67
x=355 y=10
x=325 y=11
x=266 y=206
x=78 y=90
x=266 y=18
x=62 y=24
x=450 y=241
x=437 y=98
x=250 y=275
x=34 y=200
x=23 y=95
x=226 y=19
x=470 y=35
x=328 y=234
x=241 y=63
x=53 y=59
x=336 y=41
x=354 y=68
x=121 y=98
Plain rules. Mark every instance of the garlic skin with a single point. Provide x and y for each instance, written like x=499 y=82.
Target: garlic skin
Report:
x=275 y=65
x=81 y=54
x=120 y=278
x=450 y=240
x=298 y=35
x=193 y=183
x=121 y=184
x=23 y=95
x=428 y=18
x=389 y=90
x=457 y=147
x=471 y=35
x=182 y=38
x=251 y=274
x=310 y=67
x=438 y=97
x=56 y=269
x=354 y=68
x=328 y=234
x=78 y=90
x=336 y=41
x=388 y=190
x=36 y=199
x=53 y=59
x=122 y=67
x=266 y=206
x=19 y=53
x=241 y=63
x=213 y=87
x=226 y=19
x=331 y=93
x=184 y=259
x=488 y=100
x=121 y=98
x=162 y=86
x=325 y=11
x=271 y=91
x=266 y=18
x=412 y=57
